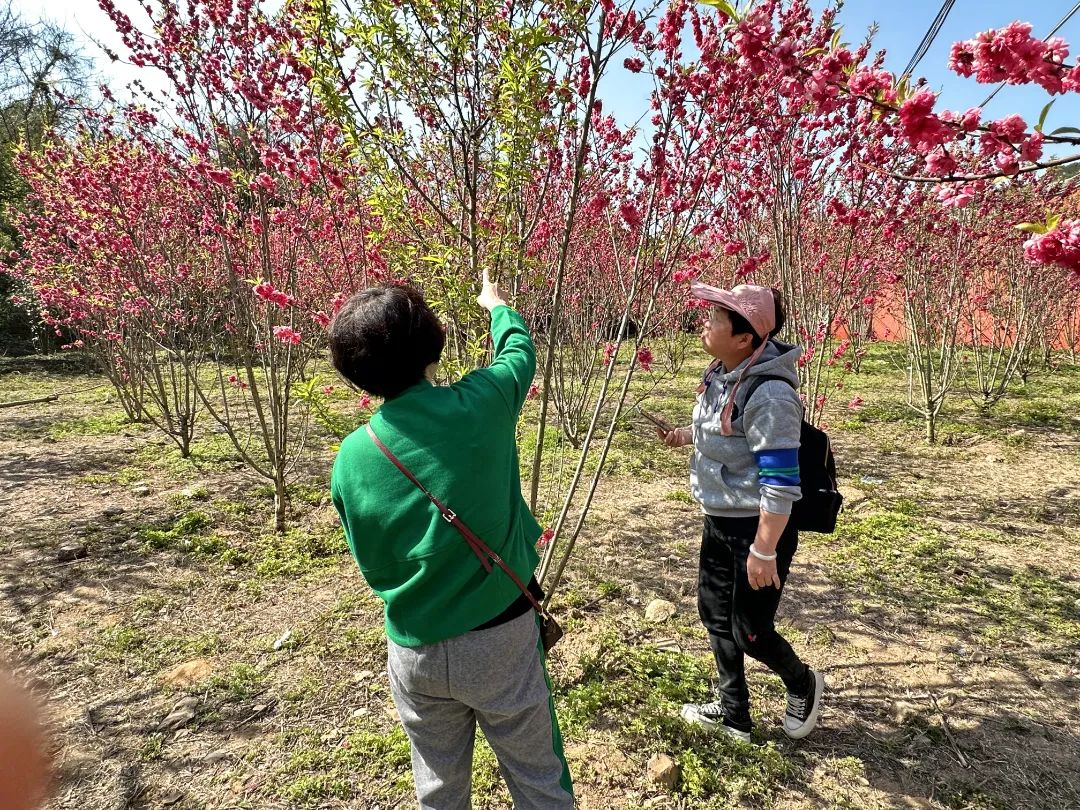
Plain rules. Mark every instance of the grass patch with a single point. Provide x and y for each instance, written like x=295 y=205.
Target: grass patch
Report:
x=298 y=552
x=911 y=564
x=106 y=424
x=1041 y=413
x=240 y=682
x=636 y=691
x=137 y=647
x=320 y=770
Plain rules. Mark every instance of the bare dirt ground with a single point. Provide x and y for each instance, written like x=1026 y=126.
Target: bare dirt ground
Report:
x=204 y=664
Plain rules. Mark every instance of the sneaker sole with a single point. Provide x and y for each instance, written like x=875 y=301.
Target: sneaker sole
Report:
x=691 y=716
x=734 y=733
x=811 y=720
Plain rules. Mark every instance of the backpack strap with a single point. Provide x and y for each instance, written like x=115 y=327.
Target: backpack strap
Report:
x=753 y=384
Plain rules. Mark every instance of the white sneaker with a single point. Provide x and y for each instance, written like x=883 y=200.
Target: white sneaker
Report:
x=802 y=710
x=711 y=716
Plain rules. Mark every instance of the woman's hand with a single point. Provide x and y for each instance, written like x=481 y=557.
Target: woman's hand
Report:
x=761 y=573
x=490 y=294
x=676 y=437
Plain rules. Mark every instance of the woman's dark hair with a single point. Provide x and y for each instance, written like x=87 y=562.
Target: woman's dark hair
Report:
x=384 y=337
x=741 y=326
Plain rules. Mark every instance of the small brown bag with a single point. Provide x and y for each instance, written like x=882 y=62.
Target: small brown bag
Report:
x=550 y=631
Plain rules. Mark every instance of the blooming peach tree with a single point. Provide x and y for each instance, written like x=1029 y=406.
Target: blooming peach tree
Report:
x=256 y=229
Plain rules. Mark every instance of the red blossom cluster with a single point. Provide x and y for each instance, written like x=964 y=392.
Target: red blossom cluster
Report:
x=1011 y=54
x=1060 y=246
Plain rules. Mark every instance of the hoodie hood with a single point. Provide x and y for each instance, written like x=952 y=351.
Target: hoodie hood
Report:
x=777 y=360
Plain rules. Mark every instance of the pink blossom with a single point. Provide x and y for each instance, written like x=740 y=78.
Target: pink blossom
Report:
x=328 y=389
x=288 y=335
x=534 y=389
x=267 y=291
x=962 y=59
x=732 y=247
x=545 y=538
x=940 y=162
x=953 y=195
x=969 y=121
x=922 y=128
x=1060 y=246
x=1032 y=148
x=855 y=403
x=220 y=176
x=1011 y=128
x=609 y=351
x=1011 y=54
x=645 y=358
x=1071 y=82
x=1008 y=164
x=752 y=34
x=865 y=81
x=634 y=65
x=630 y=214
x=364 y=403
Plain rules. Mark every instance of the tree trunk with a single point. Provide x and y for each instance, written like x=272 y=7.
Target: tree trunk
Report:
x=280 y=501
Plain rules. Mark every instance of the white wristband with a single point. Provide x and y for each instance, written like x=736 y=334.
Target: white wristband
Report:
x=760 y=556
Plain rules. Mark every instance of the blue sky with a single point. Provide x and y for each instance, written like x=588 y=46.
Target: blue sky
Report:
x=901 y=26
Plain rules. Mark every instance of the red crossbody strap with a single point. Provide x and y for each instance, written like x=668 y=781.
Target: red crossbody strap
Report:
x=479 y=547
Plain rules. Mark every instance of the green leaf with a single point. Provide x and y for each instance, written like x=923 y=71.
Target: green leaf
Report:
x=1066 y=130
x=1052 y=222
x=1031 y=227
x=723 y=7
x=1042 y=116
x=902 y=91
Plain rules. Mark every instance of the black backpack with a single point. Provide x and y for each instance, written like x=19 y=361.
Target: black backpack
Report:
x=816 y=511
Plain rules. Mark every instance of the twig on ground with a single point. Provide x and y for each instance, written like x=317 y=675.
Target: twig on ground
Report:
x=259 y=710
x=601 y=598
x=948 y=732
x=34 y=401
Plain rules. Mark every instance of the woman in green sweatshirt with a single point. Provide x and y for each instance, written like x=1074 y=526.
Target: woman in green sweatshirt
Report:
x=463 y=644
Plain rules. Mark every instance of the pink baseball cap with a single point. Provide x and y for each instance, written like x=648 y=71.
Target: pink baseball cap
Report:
x=756 y=304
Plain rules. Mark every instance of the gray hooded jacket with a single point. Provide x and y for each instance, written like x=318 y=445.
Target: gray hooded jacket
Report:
x=724 y=469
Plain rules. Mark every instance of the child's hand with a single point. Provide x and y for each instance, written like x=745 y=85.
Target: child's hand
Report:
x=676 y=437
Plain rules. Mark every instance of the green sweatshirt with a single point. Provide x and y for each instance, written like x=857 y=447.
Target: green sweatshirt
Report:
x=459 y=441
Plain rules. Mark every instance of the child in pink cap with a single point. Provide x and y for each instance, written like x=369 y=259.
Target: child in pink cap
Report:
x=745 y=474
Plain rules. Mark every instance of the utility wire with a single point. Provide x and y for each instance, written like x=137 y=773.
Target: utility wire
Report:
x=929 y=36
x=1055 y=29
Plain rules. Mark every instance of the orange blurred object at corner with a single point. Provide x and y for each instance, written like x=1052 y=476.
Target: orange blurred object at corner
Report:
x=24 y=767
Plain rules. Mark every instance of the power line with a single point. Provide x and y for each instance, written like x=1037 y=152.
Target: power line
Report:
x=929 y=36
x=1053 y=31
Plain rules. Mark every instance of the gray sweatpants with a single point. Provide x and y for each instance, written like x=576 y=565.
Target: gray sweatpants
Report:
x=493 y=677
